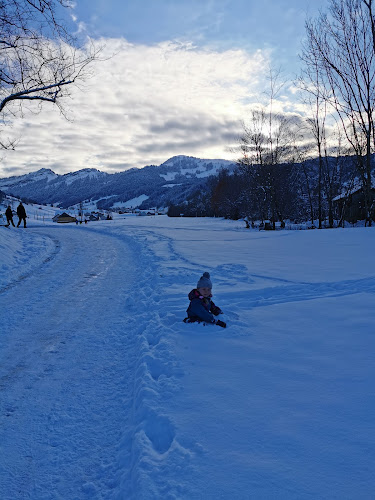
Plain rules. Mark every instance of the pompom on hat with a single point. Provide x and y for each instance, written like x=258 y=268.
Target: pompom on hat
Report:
x=204 y=281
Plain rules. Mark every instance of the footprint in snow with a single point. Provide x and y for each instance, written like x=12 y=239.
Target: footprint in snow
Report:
x=160 y=432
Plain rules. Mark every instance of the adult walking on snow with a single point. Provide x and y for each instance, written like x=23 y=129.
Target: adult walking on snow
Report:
x=9 y=216
x=21 y=212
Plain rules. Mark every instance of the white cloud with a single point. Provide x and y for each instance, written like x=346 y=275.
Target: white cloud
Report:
x=143 y=105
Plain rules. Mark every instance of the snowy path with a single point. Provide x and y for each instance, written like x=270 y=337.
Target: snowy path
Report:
x=66 y=372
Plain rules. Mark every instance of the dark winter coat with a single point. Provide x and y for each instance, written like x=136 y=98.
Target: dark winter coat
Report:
x=9 y=213
x=21 y=212
x=202 y=308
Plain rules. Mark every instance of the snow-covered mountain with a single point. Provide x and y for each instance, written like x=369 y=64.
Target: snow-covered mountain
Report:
x=188 y=166
x=171 y=182
x=43 y=175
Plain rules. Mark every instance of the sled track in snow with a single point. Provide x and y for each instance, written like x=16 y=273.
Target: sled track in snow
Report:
x=285 y=291
x=299 y=293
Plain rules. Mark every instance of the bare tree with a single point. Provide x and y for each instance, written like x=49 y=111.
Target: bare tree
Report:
x=312 y=86
x=39 y=59
x=268 y=147
x=341 y=47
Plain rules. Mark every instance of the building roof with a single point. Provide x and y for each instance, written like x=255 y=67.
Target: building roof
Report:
x=64 y=217
x=355 y=189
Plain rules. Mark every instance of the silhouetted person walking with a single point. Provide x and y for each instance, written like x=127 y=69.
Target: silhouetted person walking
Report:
x=9 y=216
x=21 y=212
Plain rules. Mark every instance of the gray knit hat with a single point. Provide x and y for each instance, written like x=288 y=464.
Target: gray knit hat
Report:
x=204 y=281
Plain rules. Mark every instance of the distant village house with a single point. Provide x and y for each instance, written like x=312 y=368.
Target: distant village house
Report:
x=64 y=218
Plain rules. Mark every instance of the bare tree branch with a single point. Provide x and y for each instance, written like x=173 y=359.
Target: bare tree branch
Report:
x=341 y=46
x=39 y=59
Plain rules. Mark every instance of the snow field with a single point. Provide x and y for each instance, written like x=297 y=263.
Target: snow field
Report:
x=268 y=408
x=120 y=399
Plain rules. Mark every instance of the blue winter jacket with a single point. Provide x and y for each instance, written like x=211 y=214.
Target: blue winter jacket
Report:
x=201 y=308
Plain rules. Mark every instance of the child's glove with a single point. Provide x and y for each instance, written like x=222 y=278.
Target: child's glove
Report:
x=216 y=310
x=221 y=323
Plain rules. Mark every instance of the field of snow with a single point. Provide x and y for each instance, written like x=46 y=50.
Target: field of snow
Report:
x=106 y=394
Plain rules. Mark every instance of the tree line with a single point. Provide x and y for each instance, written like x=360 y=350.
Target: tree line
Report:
x=275 y=178
x=275 y=193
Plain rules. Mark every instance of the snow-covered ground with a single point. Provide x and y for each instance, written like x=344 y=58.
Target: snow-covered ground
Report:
x=106 y=394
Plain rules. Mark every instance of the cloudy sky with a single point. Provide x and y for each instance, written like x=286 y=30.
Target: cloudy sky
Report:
x=176 y=77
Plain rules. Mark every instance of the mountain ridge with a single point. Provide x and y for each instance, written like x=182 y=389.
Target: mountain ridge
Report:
x=171 y=182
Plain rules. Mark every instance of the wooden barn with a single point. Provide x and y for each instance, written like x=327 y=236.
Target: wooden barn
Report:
x=64 y=218
x=352 y=205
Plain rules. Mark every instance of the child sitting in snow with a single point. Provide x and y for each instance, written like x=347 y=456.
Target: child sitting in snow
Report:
x=201 y=307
